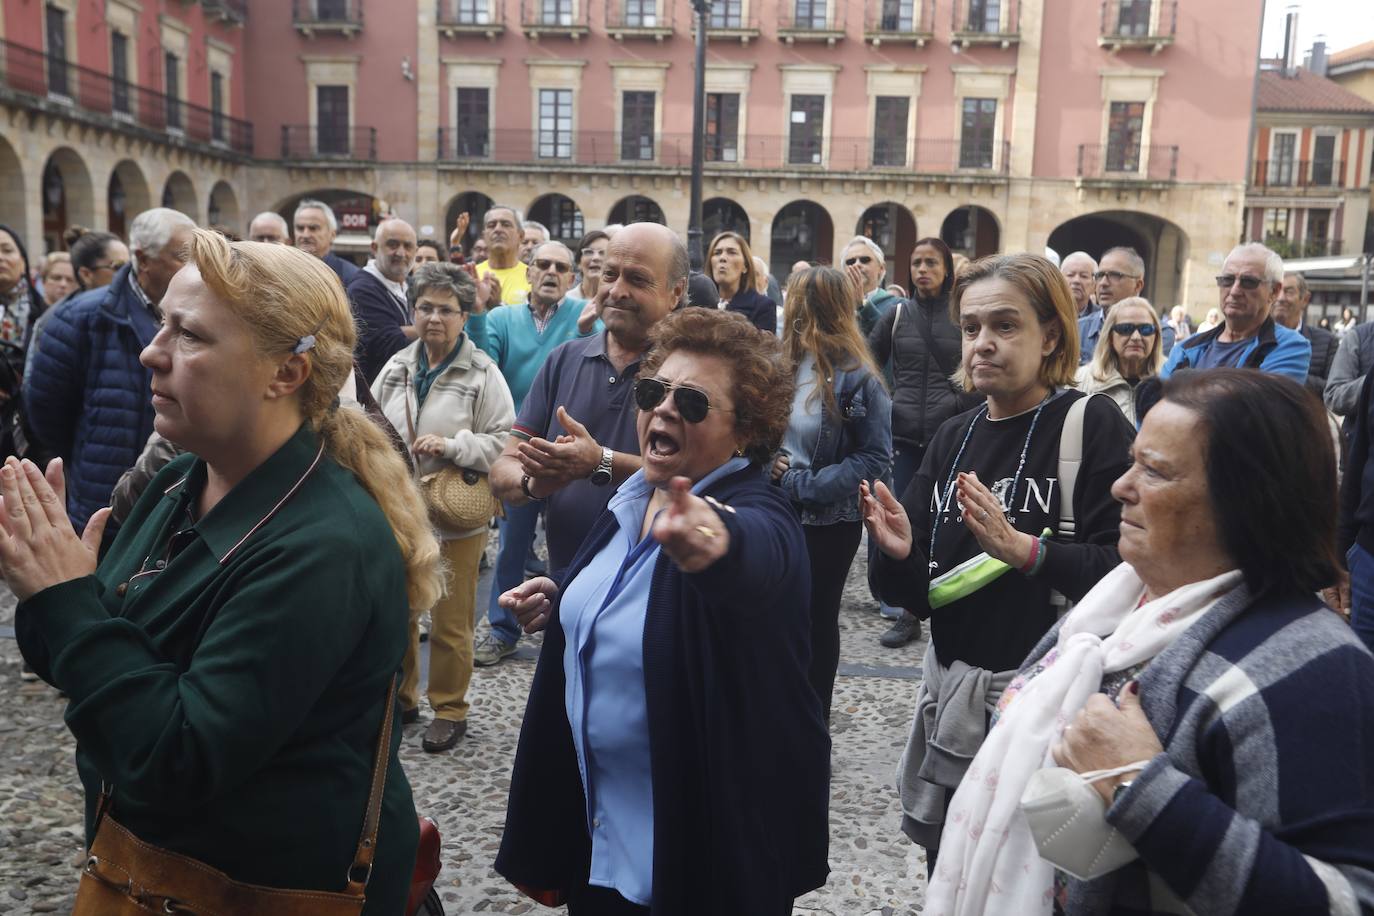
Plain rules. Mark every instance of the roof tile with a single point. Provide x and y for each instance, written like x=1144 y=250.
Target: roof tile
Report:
x=1305 y=91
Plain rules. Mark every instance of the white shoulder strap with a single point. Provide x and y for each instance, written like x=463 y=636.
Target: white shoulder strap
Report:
x=1070 y=459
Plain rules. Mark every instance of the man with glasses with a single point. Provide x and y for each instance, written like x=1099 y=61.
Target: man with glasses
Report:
x=1290 y=310
x=866 y=266
x=574 y=436
x=520 y=338
x=379 y=296
x=1119 y=275
x=1078 y=269
x=1248 y=337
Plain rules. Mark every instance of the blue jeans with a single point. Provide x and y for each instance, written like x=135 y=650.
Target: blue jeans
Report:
x=517 y=536
x=1361 y=565
x=906 y=461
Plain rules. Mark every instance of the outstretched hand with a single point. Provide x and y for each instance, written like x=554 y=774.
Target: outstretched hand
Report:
x=886 y=520
x=690 y=531
x=531 y=602
x=38 y=546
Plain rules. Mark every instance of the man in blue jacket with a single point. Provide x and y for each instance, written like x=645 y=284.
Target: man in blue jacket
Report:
x=1248 y=337
x=316 y=225
x=88 y=397
x=378 y=295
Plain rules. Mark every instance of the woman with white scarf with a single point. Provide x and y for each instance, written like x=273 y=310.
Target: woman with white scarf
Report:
x=1206 y=717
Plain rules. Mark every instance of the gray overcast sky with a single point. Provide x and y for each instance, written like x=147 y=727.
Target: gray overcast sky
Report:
x=1341 y=23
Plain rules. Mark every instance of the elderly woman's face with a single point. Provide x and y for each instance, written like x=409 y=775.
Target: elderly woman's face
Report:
x=672 y=446
x=1132 y=348
x=58 y=282
x=439 y=318
x=1168 y=532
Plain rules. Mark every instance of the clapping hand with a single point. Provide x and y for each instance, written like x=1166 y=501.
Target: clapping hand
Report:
x=886 y=520
x=38 y=546
x=558 y=463
x=488 y=293
x=531 y=602
x=690 y=531
x=986 y=521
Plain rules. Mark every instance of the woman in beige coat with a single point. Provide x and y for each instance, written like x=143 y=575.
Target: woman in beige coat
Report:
x=451 y=405
x=1128 y=352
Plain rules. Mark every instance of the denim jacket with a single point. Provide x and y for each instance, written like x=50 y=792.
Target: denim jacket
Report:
x=859 y=448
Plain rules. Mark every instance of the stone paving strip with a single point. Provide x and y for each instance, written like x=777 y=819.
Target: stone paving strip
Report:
x=875 y=870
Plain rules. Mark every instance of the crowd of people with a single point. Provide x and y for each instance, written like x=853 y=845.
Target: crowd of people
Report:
x=250 y=477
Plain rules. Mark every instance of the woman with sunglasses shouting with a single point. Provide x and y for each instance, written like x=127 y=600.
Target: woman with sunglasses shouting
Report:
x=672 y=758
x=840 y=433
x=1129 y=353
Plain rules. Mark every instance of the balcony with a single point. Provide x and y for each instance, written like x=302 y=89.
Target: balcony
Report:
x=327 y=17
x=805 y=20
x=1298 y=177
x=728 y=22
x=503 y=147
x=307 y=141
x=471 y=17
x=36 y=80
x=1293 y=249
x=554 y=18
x=985 y=22
x=1138 y=24
x=626 y=19
x=1134 y=167
x=230 y=11
x=902 y=22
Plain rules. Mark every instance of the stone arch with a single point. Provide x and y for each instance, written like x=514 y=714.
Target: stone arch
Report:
x=357 y=213
x=561 y=215
x=721 y=214
x=1161 y=244
x=223 y=208
x=473 y=203
x=636 y=209
x=68 y=198
x=179 y=193
x=972 y=231
x=126 y=196
x=892 y=227
x=802 y=231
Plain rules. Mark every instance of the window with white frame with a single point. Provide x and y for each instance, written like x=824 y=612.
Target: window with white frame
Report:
x=555 y=123
x=977 y=135
x=1283 y=154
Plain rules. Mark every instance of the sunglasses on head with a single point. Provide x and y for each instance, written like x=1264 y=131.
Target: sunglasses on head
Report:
x=858 y=259
x=546 y=264
x=691 y=403
x=1126 y=329
x=1226 y=281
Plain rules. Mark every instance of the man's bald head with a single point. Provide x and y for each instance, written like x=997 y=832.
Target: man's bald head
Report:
x=643 y=279
x=393 y=248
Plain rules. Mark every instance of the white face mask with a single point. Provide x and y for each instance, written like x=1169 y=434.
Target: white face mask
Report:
x=1067 y=818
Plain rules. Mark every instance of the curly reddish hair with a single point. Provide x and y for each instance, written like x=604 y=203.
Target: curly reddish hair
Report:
x=761 y=377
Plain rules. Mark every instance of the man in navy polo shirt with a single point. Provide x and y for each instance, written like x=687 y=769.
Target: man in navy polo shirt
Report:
x=575 y=438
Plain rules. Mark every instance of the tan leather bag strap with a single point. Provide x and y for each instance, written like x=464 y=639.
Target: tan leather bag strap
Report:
x=361 y=869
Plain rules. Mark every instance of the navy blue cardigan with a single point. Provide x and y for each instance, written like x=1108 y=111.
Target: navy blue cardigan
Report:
x=739 y=753
x=758 y=308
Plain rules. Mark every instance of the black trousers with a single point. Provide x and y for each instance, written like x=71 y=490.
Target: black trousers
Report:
x=831 y=549
x=590 y=900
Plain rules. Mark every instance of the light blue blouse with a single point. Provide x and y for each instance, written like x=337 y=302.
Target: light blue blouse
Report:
x=602 y=614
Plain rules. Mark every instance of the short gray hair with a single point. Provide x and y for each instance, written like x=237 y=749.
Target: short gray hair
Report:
x=311 y=204
x=1079 y=254
x=443 y=277
x=274 y=215
x=572 y=258
x=1299 y=279
x=376 y=234
x=867 y=243
x=1131 y=255
x=152 y=229
x=1273 y=264
x=519 y=218
x=540 y=226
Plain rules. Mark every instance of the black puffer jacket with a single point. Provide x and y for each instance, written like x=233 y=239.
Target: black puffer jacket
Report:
x=923 y=397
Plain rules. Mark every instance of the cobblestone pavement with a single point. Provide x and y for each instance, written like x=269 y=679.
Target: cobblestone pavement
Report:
x=874 y=869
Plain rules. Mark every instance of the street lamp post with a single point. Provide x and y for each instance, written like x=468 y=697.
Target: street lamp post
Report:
x=702 y=8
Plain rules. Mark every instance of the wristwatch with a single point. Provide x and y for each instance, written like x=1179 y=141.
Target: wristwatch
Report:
x=602 y=475
x=525 y=487
x=1120 y=790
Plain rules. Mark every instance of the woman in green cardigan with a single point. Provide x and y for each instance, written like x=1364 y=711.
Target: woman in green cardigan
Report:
x=229 y=656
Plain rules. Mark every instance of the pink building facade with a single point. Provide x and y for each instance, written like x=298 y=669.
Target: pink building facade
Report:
x=996 y=124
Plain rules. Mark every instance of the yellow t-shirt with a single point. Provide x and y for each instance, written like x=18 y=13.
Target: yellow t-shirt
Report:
x=515 y=282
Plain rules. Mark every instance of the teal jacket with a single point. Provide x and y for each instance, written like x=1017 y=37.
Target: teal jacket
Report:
x=233 y=698
x=508 y=335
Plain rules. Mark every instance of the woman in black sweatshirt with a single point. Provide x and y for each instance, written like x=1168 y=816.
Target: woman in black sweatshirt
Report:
x=979 y=543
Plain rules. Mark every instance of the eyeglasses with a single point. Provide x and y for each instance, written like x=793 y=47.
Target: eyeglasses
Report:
x=1226 y=281
x=858 y=259
x=692 y=403
x=1126 y=329
x=108 y=265
x=443 y=311
x=1115 y=276
x=545 y=264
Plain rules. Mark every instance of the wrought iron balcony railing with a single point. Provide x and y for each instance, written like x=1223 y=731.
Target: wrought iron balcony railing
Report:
x=471 y=17
x=561 y=18
x=811 y=20
x=640 y=19
x=674 y=151
x=327 y=16
x=1127 y=163
x=986 y=22
x=1138 y=24
x=309 y=141
x=1298 y=175
x=899 y=20
x=234 y=11
x=36 y=78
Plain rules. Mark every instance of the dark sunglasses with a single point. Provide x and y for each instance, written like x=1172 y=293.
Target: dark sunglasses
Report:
x=858 y=259
x=691 y=403
x=1226 y=281
x=546 y=264
x=1126 y=329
